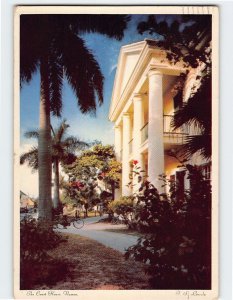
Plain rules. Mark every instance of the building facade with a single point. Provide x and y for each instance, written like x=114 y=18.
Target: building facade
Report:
x=142 y=107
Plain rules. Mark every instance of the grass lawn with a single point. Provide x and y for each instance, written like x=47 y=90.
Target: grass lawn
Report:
x=94 y=266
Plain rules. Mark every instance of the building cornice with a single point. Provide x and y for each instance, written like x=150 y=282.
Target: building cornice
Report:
x=156 y=58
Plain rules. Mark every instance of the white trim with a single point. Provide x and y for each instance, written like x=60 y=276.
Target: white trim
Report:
x=149 y=57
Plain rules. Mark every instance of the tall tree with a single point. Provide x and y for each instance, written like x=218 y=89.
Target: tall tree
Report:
x=188 y=38
x=97 y=165
x=52 y=45
x=63 y=151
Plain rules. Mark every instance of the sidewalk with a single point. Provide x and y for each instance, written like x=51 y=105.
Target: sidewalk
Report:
x=95 y=231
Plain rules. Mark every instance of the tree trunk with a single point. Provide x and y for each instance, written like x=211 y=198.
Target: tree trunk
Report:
x=56 y=198
x=113 y=190
x=44 y=147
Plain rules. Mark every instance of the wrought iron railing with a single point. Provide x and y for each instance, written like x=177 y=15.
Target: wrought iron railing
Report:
x=144 y=133
x=130 y=146
x=177 y=135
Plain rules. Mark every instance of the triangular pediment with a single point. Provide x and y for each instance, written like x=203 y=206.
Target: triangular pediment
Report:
x=128 y=58
x=134 y=60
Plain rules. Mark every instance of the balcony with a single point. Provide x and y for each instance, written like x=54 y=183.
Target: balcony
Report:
x=130 y=146
x=144 y=133
x=171 y=136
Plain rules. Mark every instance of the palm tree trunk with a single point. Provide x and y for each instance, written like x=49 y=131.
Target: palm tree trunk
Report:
x=56 y=198
x=44 y=147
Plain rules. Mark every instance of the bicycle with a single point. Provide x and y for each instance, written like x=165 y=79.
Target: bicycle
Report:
x=61 y=223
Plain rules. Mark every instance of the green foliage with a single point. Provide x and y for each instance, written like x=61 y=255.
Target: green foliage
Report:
x=64 y=147
x=188 y=38
x=35 y=242
x=176 y=245
x=91 y=161
x=97 y=170
x=185 y=37
x=122 y=206
x=66 y=199
x=53 y=41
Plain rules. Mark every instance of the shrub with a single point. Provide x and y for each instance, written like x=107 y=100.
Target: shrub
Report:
x=123 y=207
x=176 y=245
x=35 y=240
x=36 y=265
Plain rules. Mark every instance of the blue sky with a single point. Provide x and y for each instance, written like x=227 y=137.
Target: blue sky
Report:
x=85 y=127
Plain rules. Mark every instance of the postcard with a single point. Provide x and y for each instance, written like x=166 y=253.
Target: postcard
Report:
x=116 y=152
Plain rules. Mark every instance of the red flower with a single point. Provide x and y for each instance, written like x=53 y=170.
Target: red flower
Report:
x=135 y=162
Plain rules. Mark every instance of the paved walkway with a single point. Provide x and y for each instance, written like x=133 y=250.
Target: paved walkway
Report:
x=95 y=231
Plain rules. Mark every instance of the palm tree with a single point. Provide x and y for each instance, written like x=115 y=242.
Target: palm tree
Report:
x=196 y=112
x=63 y=151
x=52 y=45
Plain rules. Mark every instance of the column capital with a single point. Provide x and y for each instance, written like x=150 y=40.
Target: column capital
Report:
x=138 y=96
x=117 y=127
x=126 y=115
x=154 y=71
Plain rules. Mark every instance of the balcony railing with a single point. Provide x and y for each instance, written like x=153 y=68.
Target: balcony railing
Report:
x=130 y=146
x=144 y=133
x=167 y=128
x=176 y=134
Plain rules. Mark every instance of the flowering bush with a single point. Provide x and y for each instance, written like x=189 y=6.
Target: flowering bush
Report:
x=176 y=246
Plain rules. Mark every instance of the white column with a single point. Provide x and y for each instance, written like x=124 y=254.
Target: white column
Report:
x=118 y=146
x=138 y=121
x=155 y=129
x=126 y=191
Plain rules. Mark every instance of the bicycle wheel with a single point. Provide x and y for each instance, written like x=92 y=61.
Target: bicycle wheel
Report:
x=78 y=223
x=114 y=221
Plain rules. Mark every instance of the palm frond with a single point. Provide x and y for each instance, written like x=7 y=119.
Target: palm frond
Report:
x=61 y=131
x=29 y=58
x=71 y=143
x=197 y=143
x=31 y=157
x=82 y=71
x=31 y=43
x=56 y=81
x=32 y=134
x=112 y=26
x=197 y=110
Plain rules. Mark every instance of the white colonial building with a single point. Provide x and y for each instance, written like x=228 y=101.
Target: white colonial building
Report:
x=142 y=107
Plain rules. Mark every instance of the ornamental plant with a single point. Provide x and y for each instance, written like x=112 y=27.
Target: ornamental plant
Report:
x=176 y=244
x=123 y=207
x=37 y=266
